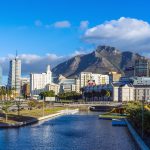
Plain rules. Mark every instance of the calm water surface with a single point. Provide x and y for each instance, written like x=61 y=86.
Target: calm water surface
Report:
x=71 y=132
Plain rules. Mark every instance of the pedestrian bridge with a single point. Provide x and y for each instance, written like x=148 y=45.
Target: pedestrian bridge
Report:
x=96 y=106
x=102 y=103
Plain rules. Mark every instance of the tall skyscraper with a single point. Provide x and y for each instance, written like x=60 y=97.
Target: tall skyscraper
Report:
x=15 y=74
x=0 y=75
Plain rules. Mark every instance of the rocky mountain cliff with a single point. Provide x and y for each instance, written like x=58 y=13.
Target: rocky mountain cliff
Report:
x=102 y=60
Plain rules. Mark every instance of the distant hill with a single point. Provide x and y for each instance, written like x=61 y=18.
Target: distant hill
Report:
x=102 y=60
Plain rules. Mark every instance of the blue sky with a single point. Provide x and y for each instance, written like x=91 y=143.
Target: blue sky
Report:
x=18 y=30
x=55 y=30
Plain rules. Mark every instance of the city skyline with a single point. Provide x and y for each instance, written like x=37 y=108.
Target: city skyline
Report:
x=75 y=74
x=44 y=35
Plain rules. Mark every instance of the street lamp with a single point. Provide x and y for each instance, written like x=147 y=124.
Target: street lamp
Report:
x=143 y=100
x=43 y=107
x=142 y=118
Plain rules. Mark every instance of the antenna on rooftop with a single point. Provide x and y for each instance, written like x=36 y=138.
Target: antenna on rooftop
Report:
x=16 y=53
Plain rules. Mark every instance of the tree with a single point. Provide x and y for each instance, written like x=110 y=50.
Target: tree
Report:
x=2 y=93
x=103 y=93
x=85 y=95
x=5 y=108
x=89 y=95
x=93 y=95
x=98 y=94
x=47 y=94
x=69 y=95
x=5 y=93
x=9 y=93
x=31 y=104
x=108 y=94
x=18 y=104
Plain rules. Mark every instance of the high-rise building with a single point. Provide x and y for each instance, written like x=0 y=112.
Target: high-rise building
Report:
x=15 y=74
x=141 y=68
x=38 y=82
x=129 y=71
x=0 y=75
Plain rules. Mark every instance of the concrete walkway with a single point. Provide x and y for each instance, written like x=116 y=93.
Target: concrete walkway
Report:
x=136 y=137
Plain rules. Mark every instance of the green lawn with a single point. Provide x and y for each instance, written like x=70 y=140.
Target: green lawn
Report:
x=111 y=116
x=26 y=115
x=36 y=113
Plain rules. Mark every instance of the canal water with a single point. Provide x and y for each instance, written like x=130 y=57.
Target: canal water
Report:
x=72 y=132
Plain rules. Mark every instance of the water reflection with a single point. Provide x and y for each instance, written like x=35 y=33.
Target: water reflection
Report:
x=73 y=132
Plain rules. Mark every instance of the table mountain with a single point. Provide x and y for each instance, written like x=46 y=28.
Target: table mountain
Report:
x=102 y=60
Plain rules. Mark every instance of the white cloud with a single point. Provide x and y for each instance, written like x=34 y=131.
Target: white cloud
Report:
x=62 y=24
x=35 y=63
x=84 y=24
x=38 y=23
x=32 y=62
x=124 y=33
x=77 y=53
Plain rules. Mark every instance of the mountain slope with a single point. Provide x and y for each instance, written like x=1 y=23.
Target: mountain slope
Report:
x=102 y=60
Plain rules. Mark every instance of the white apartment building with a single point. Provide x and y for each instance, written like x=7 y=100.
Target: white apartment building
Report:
x=99 y=79
x=24 y=81
x=85 y=77
x=142 y=92
x=77 y=85
x=38 y=82
x=53 y=87
x=126 y=93
x=123 y=92
x=14 y=76
x=141 y=80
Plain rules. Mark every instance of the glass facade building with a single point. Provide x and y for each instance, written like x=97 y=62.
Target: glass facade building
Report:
x=141 y=68
x=14 y=76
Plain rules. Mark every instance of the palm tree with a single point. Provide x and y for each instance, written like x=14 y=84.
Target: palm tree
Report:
x=98 y=95
x=2 y=93
x=103 y=93
x=89 y=95
x=9 y=93
x=85 y=96
x=93 y=95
